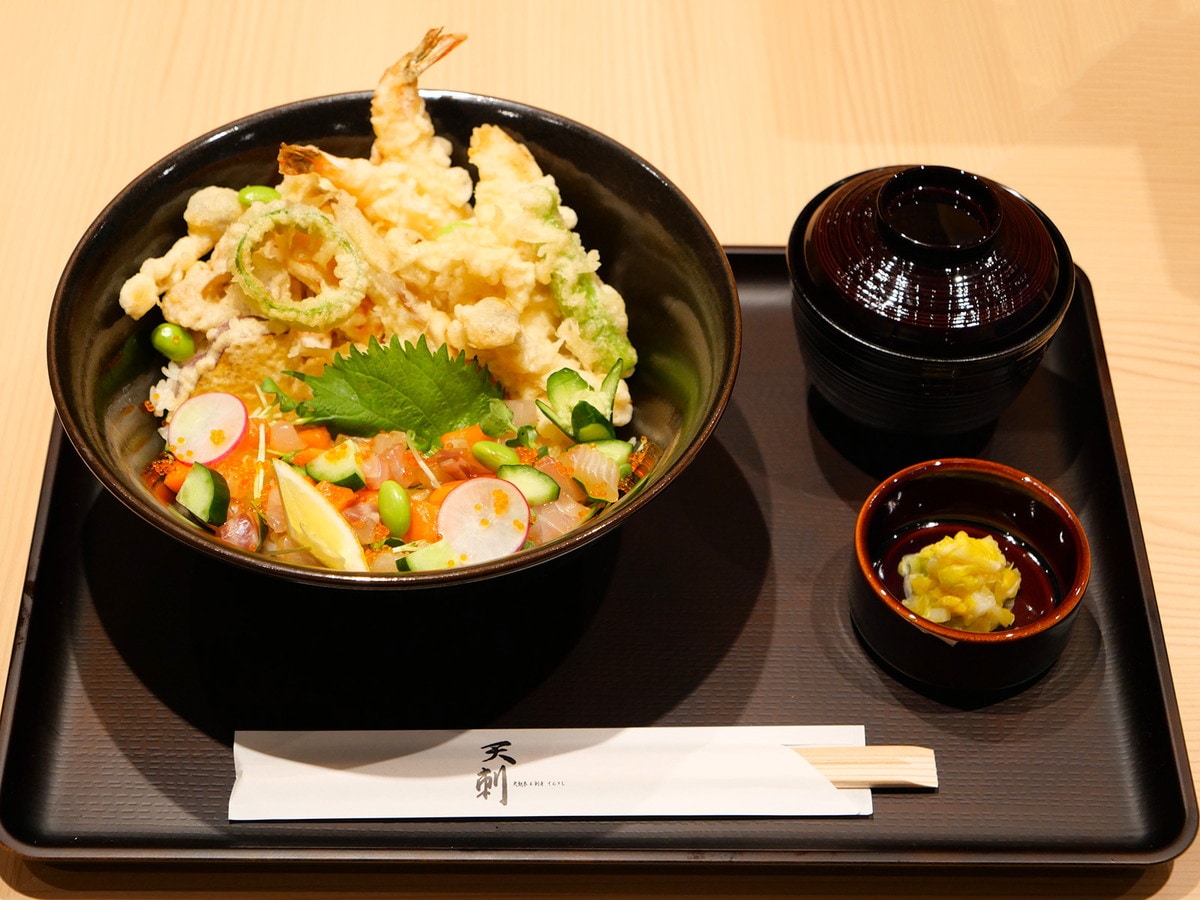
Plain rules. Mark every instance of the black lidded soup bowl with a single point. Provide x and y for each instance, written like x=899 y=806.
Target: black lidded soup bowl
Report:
x=924 y=297
x=654 y=247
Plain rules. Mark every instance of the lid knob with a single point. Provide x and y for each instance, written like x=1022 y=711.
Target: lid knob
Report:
x=936 y=209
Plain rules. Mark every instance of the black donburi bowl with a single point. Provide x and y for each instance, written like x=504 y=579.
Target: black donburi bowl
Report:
x=654 y=247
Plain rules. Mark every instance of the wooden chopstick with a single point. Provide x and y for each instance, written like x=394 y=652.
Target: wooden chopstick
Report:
x=874 y=766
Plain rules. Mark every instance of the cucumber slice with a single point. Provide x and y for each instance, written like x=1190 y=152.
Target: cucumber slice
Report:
x=338 y=465
x=536 y=485
x=579 y=411
x=438 y=555
x=205 y=494
x=588 y=424
x=619 y=452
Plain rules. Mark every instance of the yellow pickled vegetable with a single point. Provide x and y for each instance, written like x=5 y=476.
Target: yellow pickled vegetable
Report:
x=961 y=582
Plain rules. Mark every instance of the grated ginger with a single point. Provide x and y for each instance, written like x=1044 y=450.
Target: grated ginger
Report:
x=961 y=582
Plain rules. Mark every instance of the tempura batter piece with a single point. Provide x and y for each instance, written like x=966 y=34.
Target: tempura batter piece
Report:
x=514 y=196
x=203 y=299
x=414 y=201
x=209 y=213
x=243 y=366
x=506 y=280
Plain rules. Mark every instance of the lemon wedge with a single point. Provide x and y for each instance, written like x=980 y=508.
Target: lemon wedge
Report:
x=313 y=522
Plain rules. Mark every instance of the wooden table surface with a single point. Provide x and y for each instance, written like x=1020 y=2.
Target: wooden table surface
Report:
x=1090 y=108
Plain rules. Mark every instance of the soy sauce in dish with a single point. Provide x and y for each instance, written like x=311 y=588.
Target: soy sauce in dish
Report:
x=1039 y=592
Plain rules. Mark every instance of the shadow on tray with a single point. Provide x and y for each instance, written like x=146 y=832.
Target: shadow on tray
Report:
x=226 y=649
x=1043 y=431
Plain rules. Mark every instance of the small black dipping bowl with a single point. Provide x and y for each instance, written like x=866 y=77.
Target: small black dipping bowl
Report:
x=1036 y=530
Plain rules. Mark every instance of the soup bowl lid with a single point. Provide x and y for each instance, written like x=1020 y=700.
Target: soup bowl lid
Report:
x=930 y=260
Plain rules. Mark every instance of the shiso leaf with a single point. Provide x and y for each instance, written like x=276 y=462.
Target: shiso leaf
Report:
x=403 y=387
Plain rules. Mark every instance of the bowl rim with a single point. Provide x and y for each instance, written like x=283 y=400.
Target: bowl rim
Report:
x=506 y=111
x=999 y=472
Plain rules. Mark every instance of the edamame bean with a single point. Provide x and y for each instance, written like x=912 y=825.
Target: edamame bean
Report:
x=395 y=508
x=173 y=341
x=494 y=455
x=257 y=193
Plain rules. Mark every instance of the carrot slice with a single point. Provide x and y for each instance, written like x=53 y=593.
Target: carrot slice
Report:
x=468 y=436
x=305 y=456
x=340 y=497
x=437 y=495
x=424 y=522
x=315 y=436
x=175 y=475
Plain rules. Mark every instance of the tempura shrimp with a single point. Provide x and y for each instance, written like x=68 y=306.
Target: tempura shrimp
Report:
x=408 y=185
x=403 y=130
x=389 y=194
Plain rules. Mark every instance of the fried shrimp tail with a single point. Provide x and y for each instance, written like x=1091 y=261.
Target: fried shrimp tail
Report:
x=297 y=159
x=402 y=126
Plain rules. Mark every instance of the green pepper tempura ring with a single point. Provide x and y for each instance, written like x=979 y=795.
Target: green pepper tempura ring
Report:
x=270 y=292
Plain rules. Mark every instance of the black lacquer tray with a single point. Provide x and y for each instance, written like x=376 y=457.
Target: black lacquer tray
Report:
x=723 y=603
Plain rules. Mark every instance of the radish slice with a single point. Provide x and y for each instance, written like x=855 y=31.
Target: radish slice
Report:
x=484 y=518
x=206 y=427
